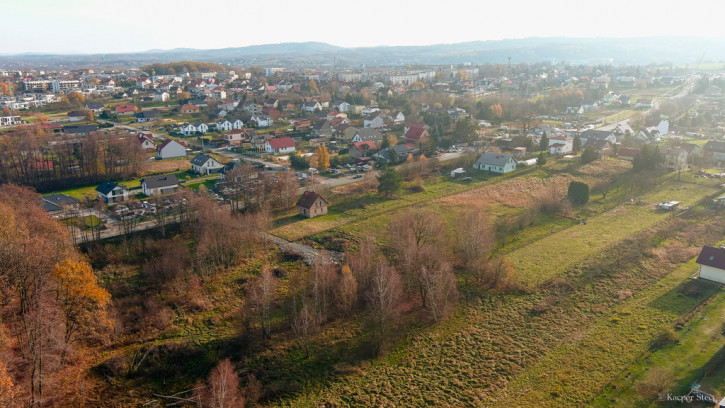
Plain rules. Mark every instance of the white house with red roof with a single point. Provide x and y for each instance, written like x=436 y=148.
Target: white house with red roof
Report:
x=415 y=133
x=279 y=145
x=146 y=141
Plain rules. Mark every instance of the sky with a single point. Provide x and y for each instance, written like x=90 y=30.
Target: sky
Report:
x=103 y=26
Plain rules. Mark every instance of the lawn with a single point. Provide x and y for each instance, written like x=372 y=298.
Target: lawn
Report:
x=90 y=191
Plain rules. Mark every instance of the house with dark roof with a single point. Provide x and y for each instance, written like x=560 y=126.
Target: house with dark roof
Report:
x=312 y=205
x=76 y=116
x=148 y=116
x=96 y=107
x=712 y=264
x=393 y=154
x=59 y=205
x=279 y=145
x=367 y=135
x=158 y=185
x=603 y=146
x=322 y=128
x=495 y=162
x=80 y=130
x=592 y=134
x=374 y=120
x=205 y=164
x=111 y=192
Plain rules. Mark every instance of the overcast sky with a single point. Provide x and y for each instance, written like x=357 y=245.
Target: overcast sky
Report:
x=103 y=26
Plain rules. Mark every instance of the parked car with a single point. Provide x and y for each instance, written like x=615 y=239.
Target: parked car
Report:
x=357 y=176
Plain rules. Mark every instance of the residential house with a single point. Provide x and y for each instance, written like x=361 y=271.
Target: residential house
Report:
x=189 y=108
x=597 y=134
x=714 y=153
x=312 y=205
x=322 y=129
x=603 y=146
x=416 y=134
x=158 y=185
x=261 y=121
x=192 y=128
x=79 y=130
x=374 y=120
x=125 y=110
x=228 y=106
x=171 y=149
x=495 y=162
x=205 y=164
x=279 y=145
x=224 y=125
x=76 y=116
x=59 y=205
x=319 y=141
x=712 y=264
x=237 y=124
x=363 y=149
x=342 y=106
x=271 y=103
x=674 y=158
x=148 y=116
x=396 y=117
x=365 y=135
x=561 y=145
x=145 y=141
x=234 y=138
x=111 y=192
x=393 y=154
x=10 y=120
x=311 y=106
x=519 y=152
x=96 y=107
x=162 y=96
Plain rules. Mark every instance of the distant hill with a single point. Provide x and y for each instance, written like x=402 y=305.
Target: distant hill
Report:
x=617 y=51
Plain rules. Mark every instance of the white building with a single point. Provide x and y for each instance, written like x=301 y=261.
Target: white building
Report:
x=712 y=264
x=561 y=145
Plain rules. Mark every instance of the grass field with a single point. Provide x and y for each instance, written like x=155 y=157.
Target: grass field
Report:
x=548 y=257
x=697 y=357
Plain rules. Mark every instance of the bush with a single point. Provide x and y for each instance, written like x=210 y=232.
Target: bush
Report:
x=578 y=192
x=589 y=155
x=668 y=336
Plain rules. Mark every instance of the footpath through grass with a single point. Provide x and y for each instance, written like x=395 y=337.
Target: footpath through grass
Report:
x=550 y=256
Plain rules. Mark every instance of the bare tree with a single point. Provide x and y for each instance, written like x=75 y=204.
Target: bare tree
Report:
x=346 y=292
x=440 y=288
x=261 y=295
x=222 y=390
x=384 y=297
x=474 y=241
x=323 y=281
x=305 y=325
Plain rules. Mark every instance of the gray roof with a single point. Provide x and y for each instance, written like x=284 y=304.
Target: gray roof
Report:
x=165 y=180
x=108 y=186
x=94 y=105
x=715 y=146
x=55 y=202
x=495 y=159
x=200 y=159
x=80 y=129
x=369 y=134
x=596 y=134
x=152 y=114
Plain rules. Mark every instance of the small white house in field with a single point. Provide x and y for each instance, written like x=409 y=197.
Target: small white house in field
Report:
x=712 y=264
x=205 y=164
x=495 y=162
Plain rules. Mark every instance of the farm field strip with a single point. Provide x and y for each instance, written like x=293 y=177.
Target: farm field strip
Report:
x=574 y=372
x=550 y=256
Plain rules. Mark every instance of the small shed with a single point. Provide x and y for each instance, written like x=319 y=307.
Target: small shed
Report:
x=712 y=264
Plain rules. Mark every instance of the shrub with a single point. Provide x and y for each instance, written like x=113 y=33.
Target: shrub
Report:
x=667 y=336
x=578 y=192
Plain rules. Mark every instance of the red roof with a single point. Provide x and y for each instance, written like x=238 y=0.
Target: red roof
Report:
x=366 y=145
x=125 y=108
x=414 y=133
x=281 y=142
x=188 y=106
x=162 y=145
